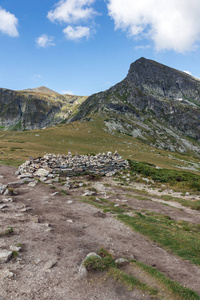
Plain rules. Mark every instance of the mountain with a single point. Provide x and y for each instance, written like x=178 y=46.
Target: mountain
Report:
x=41 y=89
x=35 y=108
x=155 y=103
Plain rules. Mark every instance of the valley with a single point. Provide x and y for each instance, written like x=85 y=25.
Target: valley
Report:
x=141 y=224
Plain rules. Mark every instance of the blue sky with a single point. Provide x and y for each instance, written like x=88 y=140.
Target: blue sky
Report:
x=86 y=46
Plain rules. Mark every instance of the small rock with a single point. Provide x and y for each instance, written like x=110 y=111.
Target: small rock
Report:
x=25 y=175
x=41 y=172
x=121 y=261
x=7 y=200
x=51 y=263
x=109 y=174
x=146 y=180
x=89 y=193
x=15 y=248
x=5 y=255
x=83 y=272
x=25 y=209
x=35 y=219
x=67 y=185
x=2 y=206
x=7 y=274
x=97 y=199
x=2 y=189
x=70 y=221
x=99 y=187
x=49 y=181
x=43 y=179
x=54 y=194
x=69 y=202
x=32 y=184
x=56 y=179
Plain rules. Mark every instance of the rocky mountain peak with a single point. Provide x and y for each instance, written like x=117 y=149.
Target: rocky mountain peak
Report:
x=41 y=89
x=152 y=76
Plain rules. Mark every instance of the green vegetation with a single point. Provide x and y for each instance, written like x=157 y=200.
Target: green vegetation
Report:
x=179 y=178
x=15 y=254
x=106 y=262
x=102 y=263
x=131 y=282
x=86 y=137
x=181 y=237
x=195 y=204
x=175 y=287
x=153 y=283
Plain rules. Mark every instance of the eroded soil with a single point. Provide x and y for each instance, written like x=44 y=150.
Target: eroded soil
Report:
x=57 y=231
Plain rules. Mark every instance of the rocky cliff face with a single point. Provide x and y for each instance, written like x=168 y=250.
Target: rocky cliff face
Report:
x=155 y=103
x=33 y=109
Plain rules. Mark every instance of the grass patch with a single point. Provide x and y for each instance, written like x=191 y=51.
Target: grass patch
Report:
x=182 y=237
x=15 y=254
x=187 y=203
x=175 y=287
x=180 y=179
x=130 y=281
x=105 y=262
x=102 y=263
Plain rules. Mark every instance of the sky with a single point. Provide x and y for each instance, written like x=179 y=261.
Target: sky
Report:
x=85 y=46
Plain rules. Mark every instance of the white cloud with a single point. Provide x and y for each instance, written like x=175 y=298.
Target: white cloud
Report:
x=8 y=23
x=71 y=11
x=171 y=24
x=67 y=92
x=45 y=41
x=76 y=33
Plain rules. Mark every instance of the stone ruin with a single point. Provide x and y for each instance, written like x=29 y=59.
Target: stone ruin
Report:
x=52 y=165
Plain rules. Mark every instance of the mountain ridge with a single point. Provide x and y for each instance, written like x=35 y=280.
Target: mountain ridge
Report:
x=155 y=103
x=35 y=108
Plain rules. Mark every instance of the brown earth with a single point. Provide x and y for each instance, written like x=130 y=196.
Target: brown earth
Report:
x=57 y=231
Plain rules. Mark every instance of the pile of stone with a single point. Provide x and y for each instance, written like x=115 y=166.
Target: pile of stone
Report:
x=50 y=165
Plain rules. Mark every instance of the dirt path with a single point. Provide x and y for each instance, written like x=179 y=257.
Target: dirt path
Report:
x=57 y=232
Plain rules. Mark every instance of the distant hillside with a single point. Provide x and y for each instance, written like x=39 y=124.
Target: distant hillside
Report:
x=41 y=89
x=35 y=108
x=155 y=103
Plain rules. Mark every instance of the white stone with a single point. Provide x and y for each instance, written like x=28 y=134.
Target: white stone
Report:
x=69 y=202
x=6 y=274
x=41 y=172
x=82 y=269
x=109 y=174
x=32 y=184
x=15 y=248
x=7 y=200
x=121 y=261
x=99 y=187
x=5 y=255
x=2 y=206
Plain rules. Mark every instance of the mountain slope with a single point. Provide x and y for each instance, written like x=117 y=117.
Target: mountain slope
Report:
x=35 y=108
x=155 y=103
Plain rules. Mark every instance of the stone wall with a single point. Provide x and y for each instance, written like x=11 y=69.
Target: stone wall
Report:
x=49 y=165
